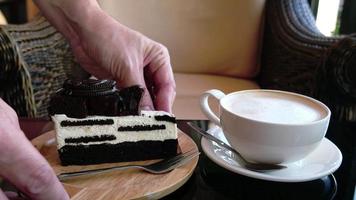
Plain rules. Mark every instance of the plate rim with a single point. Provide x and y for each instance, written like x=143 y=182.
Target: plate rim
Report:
x=163 y=191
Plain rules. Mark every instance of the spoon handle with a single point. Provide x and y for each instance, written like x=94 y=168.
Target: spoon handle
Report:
x=212 y=138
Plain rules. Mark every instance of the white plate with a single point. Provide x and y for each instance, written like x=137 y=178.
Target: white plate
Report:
x=321 y=162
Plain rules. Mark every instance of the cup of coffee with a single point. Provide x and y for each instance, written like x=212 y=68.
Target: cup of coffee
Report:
x=269 y=126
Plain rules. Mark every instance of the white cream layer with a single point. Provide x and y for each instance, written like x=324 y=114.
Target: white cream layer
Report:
x=146 y=118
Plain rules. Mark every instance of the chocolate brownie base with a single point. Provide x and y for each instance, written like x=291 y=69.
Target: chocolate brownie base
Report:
x=122 y=152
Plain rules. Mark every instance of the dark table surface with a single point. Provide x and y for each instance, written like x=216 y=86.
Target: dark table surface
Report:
x=210 y=181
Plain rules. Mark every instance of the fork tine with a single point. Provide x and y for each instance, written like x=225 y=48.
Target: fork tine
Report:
x=179 y=156
x=182 y=161
x=172 y=160
x=184 y=156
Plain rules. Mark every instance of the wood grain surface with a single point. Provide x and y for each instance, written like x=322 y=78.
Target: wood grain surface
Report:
x=128 y=184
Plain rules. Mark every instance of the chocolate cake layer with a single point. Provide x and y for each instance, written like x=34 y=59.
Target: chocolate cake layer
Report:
x=87 y=139
x=142 y=128
x=122 y=152
x=165 y=118
x=89 y=122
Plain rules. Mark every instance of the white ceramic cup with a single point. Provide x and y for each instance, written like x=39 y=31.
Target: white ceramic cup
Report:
x=269 y=126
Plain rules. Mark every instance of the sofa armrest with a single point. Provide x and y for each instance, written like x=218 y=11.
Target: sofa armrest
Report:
x=297 y=57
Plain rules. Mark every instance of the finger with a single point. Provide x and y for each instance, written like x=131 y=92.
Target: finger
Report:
x=2 y=195
x=23 y=166
x=9 y=113
x=146 y=101
x=149 y=83
x=164 y=98
x=87 y=63
x=131 y=76
x=162 y=76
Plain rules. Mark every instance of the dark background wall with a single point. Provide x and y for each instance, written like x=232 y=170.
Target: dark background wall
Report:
x=348 y=17
x=14 y=11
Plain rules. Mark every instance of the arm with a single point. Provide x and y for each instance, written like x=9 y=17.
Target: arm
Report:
x=108 y=49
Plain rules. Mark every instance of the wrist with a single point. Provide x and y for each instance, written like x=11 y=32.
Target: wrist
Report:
x=81 y=12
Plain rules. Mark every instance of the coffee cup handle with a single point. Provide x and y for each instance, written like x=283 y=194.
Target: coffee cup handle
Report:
x=204 y=104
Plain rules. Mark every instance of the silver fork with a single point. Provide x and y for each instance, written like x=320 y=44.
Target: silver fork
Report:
x=160 y=167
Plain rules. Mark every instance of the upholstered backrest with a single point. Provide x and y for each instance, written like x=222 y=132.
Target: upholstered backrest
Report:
x=203 y=36
x=3 y=20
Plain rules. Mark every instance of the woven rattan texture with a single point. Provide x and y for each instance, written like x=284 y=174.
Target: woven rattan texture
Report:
x=15 y=85
x=40 y=59
x=297 y=57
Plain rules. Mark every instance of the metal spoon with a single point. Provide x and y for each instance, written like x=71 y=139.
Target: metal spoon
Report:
x=243 y=161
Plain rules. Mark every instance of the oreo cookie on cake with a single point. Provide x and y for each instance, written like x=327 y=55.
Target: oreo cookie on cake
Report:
x=81 y=98
x=97 y=123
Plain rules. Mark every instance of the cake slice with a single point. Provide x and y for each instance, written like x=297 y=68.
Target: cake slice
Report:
x=101 y=139
x=97 y=123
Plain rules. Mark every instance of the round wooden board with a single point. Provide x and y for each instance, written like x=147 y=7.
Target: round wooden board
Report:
x=127 y=184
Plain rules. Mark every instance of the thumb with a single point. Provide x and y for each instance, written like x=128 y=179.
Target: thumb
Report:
x=137 y=78
x=146 y=101
x=2 y=195
x=22 y=165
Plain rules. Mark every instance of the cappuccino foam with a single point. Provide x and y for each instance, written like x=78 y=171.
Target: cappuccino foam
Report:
x=276 y=107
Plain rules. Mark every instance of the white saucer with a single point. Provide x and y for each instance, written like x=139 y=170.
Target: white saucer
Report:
x=321 y=162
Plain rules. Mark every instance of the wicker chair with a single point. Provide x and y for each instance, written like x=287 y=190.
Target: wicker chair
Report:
x=35 y=60
x=297 y=57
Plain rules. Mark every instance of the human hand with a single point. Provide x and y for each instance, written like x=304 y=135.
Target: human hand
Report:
x=21 y=164
x=108 y=49
x=117 y=52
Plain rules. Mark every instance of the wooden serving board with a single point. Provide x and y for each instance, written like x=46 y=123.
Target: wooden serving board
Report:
x=127 y=184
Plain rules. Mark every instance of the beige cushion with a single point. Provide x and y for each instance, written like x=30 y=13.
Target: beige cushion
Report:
x=200 y=34
x=191 y=86
x=3 y=20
